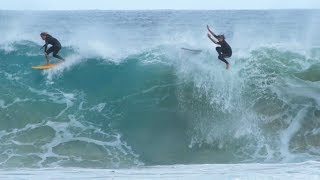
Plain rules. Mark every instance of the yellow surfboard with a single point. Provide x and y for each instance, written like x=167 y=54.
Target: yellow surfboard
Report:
x=46 y=66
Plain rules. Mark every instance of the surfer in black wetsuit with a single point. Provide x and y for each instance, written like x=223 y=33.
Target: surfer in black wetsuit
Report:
x=225 y=50
x=55 y=48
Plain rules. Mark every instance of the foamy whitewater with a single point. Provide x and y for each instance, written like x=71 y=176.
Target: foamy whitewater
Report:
x=130 y=103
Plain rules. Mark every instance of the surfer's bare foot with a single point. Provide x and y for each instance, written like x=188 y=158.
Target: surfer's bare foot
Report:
x=228 y=66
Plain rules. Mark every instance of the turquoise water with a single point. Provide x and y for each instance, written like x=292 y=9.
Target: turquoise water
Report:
x=128 y=95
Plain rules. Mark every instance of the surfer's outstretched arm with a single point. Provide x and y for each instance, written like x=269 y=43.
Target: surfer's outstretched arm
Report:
x=211 y=32
x=214 y=41
x=45 y=47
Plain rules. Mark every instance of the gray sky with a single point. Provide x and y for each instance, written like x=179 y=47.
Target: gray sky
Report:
x=156 y=4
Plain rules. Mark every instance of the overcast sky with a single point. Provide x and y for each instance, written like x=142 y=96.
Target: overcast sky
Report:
x=156 y=4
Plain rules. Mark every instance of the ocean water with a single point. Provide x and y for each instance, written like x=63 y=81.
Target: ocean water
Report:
x=128 y=96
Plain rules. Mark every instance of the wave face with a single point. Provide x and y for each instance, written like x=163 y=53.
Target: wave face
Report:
x=128 y=95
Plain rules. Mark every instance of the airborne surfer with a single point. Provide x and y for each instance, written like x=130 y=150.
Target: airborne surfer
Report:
x=224 y=50
x=55 y=48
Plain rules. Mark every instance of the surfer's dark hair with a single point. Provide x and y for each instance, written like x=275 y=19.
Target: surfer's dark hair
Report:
x=221 y=36
x=44 y=34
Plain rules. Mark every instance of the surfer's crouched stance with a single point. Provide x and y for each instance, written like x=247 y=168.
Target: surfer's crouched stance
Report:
x=55 y=48
x=225 y=50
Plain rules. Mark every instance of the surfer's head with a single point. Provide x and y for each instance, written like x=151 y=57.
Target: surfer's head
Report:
x=221 y=38
x=43 y=35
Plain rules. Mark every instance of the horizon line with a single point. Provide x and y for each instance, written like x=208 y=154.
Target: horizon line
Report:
x=251 y=9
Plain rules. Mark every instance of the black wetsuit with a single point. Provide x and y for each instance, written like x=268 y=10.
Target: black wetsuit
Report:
x=224 y=51
x=55 y=48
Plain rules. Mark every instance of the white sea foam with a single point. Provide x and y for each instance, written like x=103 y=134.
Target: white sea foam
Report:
x=307 y=170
